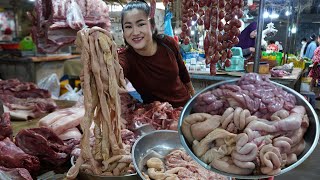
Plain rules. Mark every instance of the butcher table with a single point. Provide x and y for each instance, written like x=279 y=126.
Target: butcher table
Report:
x=202 y=79
x=19 y=125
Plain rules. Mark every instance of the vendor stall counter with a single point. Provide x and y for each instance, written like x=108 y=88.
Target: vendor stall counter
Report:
x=32 y=69
x=201 y=79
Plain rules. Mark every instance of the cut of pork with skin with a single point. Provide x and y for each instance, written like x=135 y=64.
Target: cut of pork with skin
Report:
x=51 y=118
x=66 y=122
x=54 y=116
x=72 y=133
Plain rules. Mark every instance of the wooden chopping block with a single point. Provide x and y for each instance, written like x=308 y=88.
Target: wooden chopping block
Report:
x=263 y=67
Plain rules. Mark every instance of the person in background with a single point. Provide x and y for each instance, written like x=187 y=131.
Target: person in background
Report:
x=186 y=47
x=311 y=47
x=315 y=70
x=151 y=62
x=272 y=46
x=279 y=44
x=7 y=34
x=247 y=39
x=303 y=46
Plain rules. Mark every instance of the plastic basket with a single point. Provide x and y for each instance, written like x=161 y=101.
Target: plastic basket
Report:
x=297 y=63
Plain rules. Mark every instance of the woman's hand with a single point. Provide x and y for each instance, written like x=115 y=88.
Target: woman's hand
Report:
x=190 y=88
x=252 y=49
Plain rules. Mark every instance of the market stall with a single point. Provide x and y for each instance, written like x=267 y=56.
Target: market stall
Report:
x=203 y=79
x=33 y=69
x=204 y=102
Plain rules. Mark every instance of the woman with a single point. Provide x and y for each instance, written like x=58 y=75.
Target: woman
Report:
x=152 y=63
x=315 y=70
x=247 y=39
x=303 y=46
x=311 y=46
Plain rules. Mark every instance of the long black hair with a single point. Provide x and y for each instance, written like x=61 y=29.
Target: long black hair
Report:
x=143 y=6
x=313 y=37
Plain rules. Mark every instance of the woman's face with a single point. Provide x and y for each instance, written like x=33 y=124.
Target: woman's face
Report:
x=253 y=34
x=137 y=29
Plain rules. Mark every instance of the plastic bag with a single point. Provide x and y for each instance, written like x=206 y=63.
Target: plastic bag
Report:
x=52 y=84
x=74 y=16
x=167 y=24
x=72 y=94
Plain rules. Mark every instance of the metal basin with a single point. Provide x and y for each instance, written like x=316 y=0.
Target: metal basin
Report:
x=160 y=142
x=311 y=136
x=85 y=176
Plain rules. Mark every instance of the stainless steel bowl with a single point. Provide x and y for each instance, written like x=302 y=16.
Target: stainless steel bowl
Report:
x=85 y=176
x=311 y=137
x=156 y=143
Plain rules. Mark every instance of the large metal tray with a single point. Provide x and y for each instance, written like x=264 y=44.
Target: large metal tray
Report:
x=311 y=136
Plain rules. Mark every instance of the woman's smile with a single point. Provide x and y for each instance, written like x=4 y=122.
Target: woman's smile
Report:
x=137 y=39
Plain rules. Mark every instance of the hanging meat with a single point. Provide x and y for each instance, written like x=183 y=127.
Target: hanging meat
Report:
x=221 y=23
x=102 y=79
x=56 y=22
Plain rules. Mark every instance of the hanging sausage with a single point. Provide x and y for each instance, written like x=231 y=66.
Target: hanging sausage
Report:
x=221 y=23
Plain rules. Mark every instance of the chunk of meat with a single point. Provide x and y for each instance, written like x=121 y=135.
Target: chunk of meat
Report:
x=72 y=133
x=45 y=144
x=5 y=126
x=67 y=122
x=14 y=174
x=12 y=156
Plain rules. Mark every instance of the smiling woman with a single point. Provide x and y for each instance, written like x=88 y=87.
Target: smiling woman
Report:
x=151 y=62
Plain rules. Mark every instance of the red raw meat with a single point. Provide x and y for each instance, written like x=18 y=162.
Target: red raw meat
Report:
x=5 y=126
x=12 y=156
x=15 y=173
x=160 y=115
x=51 y=29
x=45 y=144
x=22 y=89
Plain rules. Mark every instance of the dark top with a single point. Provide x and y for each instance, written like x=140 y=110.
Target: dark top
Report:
x=160 y=77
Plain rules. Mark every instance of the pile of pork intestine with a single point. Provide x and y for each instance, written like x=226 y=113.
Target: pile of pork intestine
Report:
x=177 y=165
x=254 y=127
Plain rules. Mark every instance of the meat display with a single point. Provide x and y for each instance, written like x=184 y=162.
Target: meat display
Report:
x=177 y=165
x=253 y=92
x=12 y=156
x=24 y=100
x=5 y=126
x=56 y=22
x=160 y=115
x=44 y=144
x=20 y=89
x=102 y=79
x=221 y=20
x=14 y=174
x=254 y=127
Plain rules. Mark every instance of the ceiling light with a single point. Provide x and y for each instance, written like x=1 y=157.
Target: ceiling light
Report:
x=274 y=15
x=294 y=30
x=287 y=13
x=265 y=14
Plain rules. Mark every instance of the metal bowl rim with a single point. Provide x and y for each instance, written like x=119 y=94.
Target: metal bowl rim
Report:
x=141 y=137
x=286 y=169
